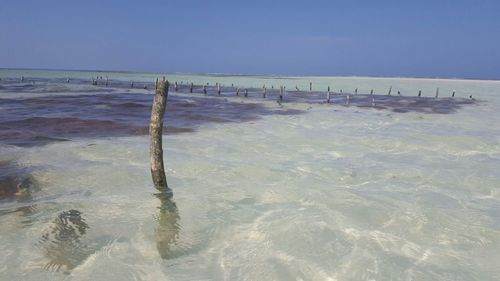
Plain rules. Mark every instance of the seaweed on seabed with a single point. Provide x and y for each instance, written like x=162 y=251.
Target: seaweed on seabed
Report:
x=15 y=182
x=62 y=242
x=167 y=231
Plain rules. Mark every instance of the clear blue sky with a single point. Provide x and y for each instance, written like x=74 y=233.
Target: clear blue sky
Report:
x=367 y=38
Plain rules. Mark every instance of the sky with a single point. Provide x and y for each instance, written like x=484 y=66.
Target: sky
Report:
x=439 y=38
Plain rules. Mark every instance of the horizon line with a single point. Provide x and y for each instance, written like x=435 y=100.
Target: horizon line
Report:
x=255 y=75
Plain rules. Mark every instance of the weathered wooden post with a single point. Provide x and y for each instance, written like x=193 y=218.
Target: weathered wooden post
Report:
x=155 y=133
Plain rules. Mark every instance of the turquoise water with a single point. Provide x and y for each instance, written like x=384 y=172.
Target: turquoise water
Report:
x=306 y=191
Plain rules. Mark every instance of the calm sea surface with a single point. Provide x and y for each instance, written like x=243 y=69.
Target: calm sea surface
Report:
x=366 y=187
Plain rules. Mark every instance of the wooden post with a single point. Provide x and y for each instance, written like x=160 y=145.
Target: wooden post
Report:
x=390 y=90
x=328 y=89
x=155 y=133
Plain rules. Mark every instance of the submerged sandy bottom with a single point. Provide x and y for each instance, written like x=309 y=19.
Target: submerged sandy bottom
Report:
x=334 y=193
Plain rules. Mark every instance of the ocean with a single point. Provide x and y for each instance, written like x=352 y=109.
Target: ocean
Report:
x=368 y=186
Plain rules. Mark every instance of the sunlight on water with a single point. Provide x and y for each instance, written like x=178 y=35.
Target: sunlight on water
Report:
x=297 y=191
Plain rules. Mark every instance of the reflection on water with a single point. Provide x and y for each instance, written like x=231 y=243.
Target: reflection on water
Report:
x=63 y=243
x=167 y=231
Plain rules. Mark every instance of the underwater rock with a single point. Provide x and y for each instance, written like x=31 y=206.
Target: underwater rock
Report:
x=62 y=242
x=15 y=181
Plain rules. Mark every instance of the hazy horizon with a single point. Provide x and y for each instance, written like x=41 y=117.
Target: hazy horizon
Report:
x=247 y=74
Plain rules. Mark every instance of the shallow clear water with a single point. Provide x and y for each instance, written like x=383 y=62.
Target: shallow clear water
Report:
x=262 y=191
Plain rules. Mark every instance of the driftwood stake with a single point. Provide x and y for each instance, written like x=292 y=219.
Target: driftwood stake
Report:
x=155 y=133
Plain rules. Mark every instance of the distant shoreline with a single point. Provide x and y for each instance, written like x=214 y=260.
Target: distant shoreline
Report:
x=256 y=75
